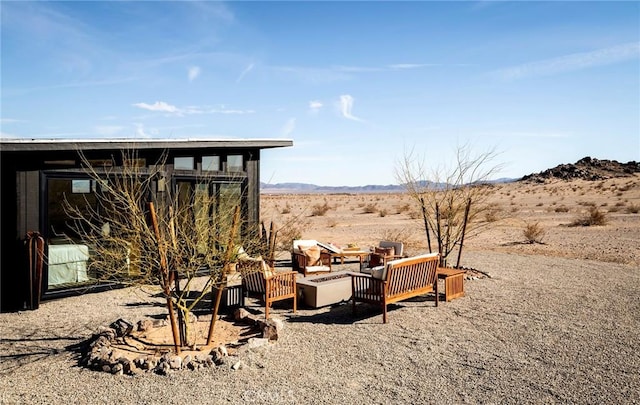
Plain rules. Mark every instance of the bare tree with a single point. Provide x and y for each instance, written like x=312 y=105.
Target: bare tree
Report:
x=450 y=198
x=144 y=231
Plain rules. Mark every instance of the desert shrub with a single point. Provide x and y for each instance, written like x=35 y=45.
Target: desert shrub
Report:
x=289 y=233
x=370 y=208
x=413 y=214
x=593 y=217
x=286 y=209
x=332 y=223
x=633 y=209
x=319 y=210
x=492 y=214
x=561 y=208
x=539 y=204
x=403 y=208
x=613 y=209
x=383 y=213
x=533 y=232
x=404 y=235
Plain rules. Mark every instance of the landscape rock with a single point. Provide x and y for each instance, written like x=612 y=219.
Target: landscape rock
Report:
x=145 y=325
x=122 y=327
x=240 y=314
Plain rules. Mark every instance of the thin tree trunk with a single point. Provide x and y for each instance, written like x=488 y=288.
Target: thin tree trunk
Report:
x=464 y=229
x=230 y=248
x=166 y=282
x=443 y=262
x=426 y=222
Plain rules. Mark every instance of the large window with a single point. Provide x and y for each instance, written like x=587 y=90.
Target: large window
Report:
x=67 y=257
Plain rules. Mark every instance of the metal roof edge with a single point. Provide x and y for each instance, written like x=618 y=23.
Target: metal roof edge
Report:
x=36 y=144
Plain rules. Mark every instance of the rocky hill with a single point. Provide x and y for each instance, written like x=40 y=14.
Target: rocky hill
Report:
x=587 y=169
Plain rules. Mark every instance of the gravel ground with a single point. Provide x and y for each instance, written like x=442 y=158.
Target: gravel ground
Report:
x=540 y=330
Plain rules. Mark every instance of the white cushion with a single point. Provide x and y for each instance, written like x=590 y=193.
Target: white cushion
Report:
x=304 y=242
x=314 y=269
x=379 y=272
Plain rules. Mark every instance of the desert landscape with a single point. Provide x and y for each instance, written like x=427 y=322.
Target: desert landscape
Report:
x=555 y=319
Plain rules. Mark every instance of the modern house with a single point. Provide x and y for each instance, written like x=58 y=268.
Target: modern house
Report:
x=36 y=176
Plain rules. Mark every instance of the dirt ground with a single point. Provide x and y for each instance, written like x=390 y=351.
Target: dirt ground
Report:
x=365 y=219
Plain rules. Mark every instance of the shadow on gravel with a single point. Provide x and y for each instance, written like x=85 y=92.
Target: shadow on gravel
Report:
x=342 y=314
x=29 y=350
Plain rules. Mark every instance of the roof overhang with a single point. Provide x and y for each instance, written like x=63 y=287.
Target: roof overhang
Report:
x=25 y=145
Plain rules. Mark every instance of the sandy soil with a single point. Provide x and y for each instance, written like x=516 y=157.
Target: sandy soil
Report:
x=555 y=322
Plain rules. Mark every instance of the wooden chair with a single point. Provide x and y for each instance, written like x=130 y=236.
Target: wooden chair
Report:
x=308 y=258
x=259 y=278
x=383 y=253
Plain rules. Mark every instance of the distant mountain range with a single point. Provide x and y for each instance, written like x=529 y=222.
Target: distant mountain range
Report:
x=586 y=168
x=372 y=188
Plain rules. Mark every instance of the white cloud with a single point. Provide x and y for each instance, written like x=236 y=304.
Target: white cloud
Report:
x=315 y=106
x=161 y=106
x=245 y=72
x=410 y=65
x=346 y=105
x=158 y=106
x=288 y=127
x=108 y=130
x=571 y=62
x=194 y=72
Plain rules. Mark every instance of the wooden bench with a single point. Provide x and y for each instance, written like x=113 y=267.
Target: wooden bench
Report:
x=397 y=281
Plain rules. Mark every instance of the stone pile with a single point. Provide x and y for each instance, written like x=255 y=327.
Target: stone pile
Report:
x=102 y=353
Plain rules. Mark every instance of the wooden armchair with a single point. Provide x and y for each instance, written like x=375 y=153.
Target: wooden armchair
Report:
x=308 y=258
x=259 y=278
x=383 y=253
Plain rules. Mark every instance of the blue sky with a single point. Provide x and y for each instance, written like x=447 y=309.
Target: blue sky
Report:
x=355 y=85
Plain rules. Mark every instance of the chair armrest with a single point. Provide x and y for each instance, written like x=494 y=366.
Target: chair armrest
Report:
x=365 y=286
x=298 y=260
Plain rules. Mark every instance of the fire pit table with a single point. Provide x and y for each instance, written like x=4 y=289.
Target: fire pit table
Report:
x=326 y=289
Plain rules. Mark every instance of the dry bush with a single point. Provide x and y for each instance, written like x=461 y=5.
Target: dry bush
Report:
x=287 y=234
x=383 y=213
x=403 y=235
x=332 y=223
x=403 y=208
x=492 y=214
x=562 y=208
x=286 y=209
x=413 y=214
x=633 y=209
x=593 y=217
x=370 y=208
x=319 y=210
x=533 y=232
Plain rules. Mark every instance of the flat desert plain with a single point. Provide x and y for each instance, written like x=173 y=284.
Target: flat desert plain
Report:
x=365 y=219
x=556 y=321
